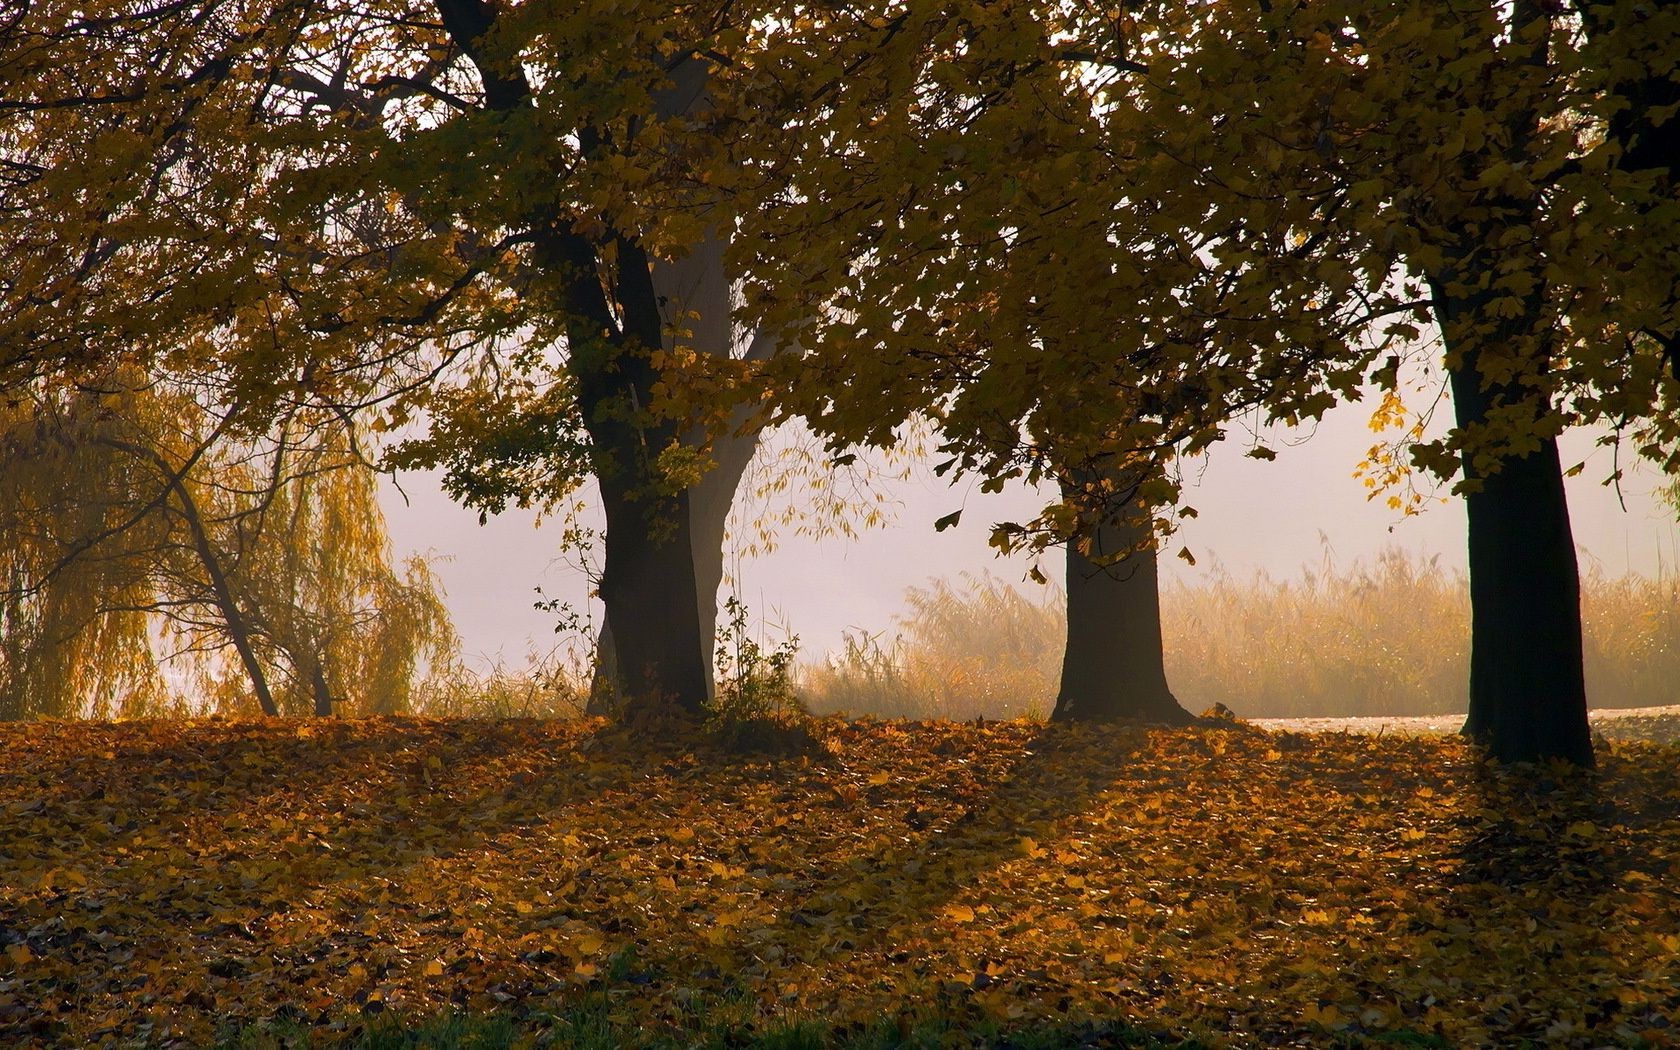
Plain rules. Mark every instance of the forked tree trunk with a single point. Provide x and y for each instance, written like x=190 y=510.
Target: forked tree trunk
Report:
x=694 y=297
x=1528 y=698
x=647 y=583
x=1113 y=668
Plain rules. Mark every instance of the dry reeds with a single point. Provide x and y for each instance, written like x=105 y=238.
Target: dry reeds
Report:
x=1389 y=638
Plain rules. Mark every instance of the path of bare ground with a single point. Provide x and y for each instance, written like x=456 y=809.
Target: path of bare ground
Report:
x=1632 y=723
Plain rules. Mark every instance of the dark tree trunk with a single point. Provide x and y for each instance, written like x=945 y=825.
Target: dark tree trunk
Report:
x=709 y=504
x=319 y=691
x=1528 y=699
x=693 y=294
x=1113 y=666
x=647 y=583
x=648 y=588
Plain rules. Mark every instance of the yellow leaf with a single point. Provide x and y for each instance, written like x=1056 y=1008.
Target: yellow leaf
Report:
x=879 y=779
x=434 y=968
x=1324 y=1016
x=959 y=913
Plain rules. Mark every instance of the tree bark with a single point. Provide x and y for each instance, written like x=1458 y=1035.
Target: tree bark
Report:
x=319 y=690
x=1528 y=698
x=694 y=295
x=1113 y=668
x=647 y=582
x=648 y=586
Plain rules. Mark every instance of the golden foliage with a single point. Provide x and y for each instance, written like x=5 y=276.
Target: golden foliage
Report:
x=1245 y=887
x=144 y=538
x=978 y=648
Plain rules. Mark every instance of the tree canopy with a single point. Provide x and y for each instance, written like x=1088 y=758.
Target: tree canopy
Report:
x=1085 y=242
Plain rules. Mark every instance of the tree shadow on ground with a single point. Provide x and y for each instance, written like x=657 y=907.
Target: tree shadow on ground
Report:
x=1565 y=855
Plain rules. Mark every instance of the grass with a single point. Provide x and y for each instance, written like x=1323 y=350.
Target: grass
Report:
x=1388 y=638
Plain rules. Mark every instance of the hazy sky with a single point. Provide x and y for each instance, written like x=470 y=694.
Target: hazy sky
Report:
x=1279 y=516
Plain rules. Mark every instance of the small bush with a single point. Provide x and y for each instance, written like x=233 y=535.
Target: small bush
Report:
x=754 y=706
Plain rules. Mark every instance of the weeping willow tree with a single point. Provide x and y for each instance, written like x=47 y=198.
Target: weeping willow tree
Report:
x=159 y=556
x=73 y=637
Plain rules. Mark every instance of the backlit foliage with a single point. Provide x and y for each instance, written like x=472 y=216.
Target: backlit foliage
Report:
x=159 y=558
x=166 y=879
x=1075 y=235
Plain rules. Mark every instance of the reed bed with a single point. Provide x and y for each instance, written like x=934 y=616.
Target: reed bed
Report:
x=1382 y=638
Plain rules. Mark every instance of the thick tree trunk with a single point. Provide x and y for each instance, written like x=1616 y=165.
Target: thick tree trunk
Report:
x=1113 y=667
x=709 y=504
x=694 y=298
x=648 y=582
x=1528 y=697
x=648 y=588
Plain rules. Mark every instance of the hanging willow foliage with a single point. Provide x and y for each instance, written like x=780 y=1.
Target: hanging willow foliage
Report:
x=158 y=558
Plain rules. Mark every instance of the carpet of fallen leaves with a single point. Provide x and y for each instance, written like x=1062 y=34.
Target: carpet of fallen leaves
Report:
x=159 y=881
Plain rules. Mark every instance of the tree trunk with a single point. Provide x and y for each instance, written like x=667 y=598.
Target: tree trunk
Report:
x=319 y=691
x=1113 y=667
x=709 y=504
x=648 y=588
x=1528 y=698
x=648 y=581
x=694 y=296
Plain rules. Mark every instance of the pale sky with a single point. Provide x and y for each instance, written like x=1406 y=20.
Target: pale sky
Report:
x=1277 y=516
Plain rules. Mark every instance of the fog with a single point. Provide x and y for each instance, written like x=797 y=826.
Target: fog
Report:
x=1280 y=517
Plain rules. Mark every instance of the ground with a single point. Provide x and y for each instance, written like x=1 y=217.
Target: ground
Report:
x=171 y=883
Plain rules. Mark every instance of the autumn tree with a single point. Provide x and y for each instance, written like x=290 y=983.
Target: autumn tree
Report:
x=410 y=189
x=1170 y=218
x=966 y=182
x=1497 y=176
x=149 y=540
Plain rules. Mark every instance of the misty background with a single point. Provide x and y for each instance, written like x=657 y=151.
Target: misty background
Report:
x=1280 y=517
